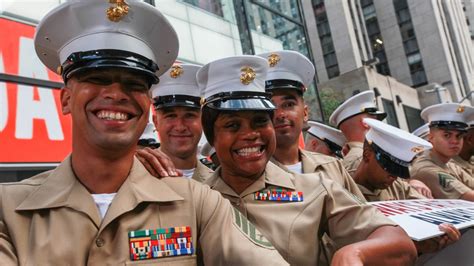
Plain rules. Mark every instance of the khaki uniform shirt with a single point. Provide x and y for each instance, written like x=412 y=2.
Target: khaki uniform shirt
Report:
x=51 y=219
x=468 y=170
x=202 y=172
x=353 y=158
x=444 y=182
x=399 y=190
x=295 y=228
x=314 y=162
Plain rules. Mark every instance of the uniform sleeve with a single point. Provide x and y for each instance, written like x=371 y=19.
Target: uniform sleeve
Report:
x=442 y=184
x=349 y=182
x=227 y=237
x=465 y=177
x=350 y=221
x=7 y=251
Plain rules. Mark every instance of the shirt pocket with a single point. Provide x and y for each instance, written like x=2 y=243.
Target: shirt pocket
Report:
x=170 y=261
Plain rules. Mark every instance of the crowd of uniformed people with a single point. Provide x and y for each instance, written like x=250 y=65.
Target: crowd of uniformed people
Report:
x=121 y=197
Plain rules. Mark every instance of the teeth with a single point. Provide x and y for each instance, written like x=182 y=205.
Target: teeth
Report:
x=110 y=115
x=248 y=151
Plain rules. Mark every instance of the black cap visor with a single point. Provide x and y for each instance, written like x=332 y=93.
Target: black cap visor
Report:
x=450 y=125
x=152 y=143
x=177 y=100
x=239 y=101
x=336 y=149
x=391 y=164
x=379 y=115
x=81 y=61
x=276 y=84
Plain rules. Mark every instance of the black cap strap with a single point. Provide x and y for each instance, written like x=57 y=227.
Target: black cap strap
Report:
x=284 y=84
x=109 y=58
x=176 y=100
x=222 y=96
x=449 y=125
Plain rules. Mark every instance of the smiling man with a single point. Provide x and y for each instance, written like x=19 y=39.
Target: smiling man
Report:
x=100 y=206
x=178 y=122
x=447 y=122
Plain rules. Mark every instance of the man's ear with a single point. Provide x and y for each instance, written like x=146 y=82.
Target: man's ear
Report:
x=361 y=121
x=314 y=143
x=305 y=113
x=367 y=153
x=65 y=96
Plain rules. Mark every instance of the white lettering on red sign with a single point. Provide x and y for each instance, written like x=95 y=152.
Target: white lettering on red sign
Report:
x=28 y=108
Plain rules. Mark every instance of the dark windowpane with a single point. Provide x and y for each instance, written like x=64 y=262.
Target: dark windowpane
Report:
x=330 y=59
x=391 y=114
x=400 y=4
x=383 y=69
x=411 y=46
x=419 y=78
x=323 y=29
x=403 y=16
x=413 y=117
x=333 y=71
x=407 y=31
x=366 y=2
x=213 y=6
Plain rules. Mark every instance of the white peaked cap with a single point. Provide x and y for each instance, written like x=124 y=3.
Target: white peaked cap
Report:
x=180 y=79
x=398 y=143
x=83 y=25
x=289 y=65
x=363 y=102
x=150 y=132
x=422 y=132
x=449 y=115
x=323 y=131
x=245 y=73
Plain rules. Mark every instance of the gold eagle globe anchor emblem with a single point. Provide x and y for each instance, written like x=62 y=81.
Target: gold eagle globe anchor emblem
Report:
x=117 y=12
x=273 y=60
x=176 y=71
x=247 y=75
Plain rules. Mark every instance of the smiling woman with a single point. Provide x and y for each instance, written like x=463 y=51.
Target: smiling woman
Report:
x=237 y=121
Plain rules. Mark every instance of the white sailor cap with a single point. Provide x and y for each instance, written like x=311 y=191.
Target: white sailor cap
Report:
x=235 y=83
x=149 y=138
x=331 y=136
x=207 y=150
x=422 y=132
x=363 y=102
x=178 y=87
x=133 y=35
x=446 y=115
x=288 y=69
x=394 y=148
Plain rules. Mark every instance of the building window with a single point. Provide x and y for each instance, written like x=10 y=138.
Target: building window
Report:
x=391 y=114
x=413 y=117
x=325 y=38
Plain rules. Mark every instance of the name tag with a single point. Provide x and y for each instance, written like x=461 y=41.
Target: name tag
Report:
x=162 y=242
x=278 y=194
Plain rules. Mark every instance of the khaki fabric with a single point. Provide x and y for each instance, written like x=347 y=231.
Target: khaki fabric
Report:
x=353 y=158
x=202 y=172
x=295 y=228
x=399 y=190
x=314 y=162
x=51 y=219
x=443 y=181
x=467 y=167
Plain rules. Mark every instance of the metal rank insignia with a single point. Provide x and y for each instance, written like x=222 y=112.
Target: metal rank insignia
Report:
x=162 y=242
x=278 y=194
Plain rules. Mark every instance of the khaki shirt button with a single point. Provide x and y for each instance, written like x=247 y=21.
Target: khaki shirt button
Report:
x=99 y=242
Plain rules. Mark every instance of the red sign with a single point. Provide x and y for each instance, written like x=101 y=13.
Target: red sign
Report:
x=32 y=127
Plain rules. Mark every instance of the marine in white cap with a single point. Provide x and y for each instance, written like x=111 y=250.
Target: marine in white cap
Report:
x=149 y=137
x=388 y=153
x=324 y=139
x=448 y=125
x=348 y=117
x=289 y=75
x=292 y=210
x=422 y=132
x=465 y=158
x=100 y=206
x=178 y=122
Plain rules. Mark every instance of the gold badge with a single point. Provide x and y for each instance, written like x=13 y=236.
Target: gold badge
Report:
x=117 y=12
x=203 y=101
x=176 y=71
x=59 y=70
x=273 y=60
x=460 y=109
x=247 y=75
x=417 y=149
